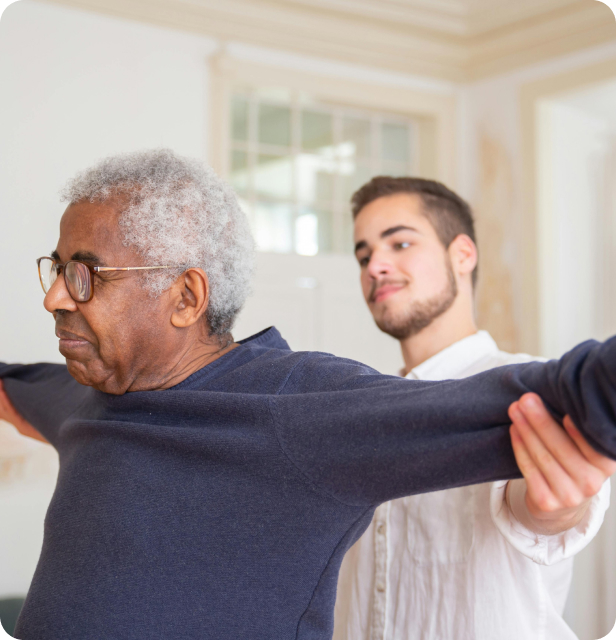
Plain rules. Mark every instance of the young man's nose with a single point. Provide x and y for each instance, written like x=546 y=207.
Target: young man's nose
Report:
x=379 y=265
x=58 y=297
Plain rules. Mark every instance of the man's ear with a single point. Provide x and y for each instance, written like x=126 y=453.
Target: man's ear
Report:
x=192 y=295
x=463 y=254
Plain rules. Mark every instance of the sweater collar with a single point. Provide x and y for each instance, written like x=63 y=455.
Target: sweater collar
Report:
x=269 y=338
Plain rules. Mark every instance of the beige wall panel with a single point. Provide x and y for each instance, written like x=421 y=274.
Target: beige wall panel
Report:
x=493 y=215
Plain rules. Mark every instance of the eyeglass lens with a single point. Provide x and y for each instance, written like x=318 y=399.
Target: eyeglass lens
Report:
x=48 y=272
x=78 y=281
x=76 y=276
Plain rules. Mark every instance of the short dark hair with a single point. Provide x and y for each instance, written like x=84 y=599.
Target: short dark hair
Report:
x=447 y=212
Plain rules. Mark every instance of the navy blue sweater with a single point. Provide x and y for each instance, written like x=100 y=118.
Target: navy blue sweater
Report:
x=222 y=508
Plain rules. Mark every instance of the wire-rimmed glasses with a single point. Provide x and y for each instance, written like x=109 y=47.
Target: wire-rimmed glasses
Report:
x=77 y=276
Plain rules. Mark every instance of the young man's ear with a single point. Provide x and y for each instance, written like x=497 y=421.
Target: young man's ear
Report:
x=463 y=254
x=191 y=297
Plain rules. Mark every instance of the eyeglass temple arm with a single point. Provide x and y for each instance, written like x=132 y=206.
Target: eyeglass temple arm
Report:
x=97 y=269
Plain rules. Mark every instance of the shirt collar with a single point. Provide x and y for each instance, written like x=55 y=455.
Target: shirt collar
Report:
x=453 y=360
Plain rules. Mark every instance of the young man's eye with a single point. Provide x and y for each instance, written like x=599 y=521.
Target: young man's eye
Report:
x=363 y=262
x=402 y=245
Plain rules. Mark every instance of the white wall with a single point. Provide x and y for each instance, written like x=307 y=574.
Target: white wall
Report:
x=572 y=145
x=577 y=218
x=76 y=87
x=493 y=110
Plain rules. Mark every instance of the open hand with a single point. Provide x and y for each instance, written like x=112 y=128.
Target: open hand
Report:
x=562 y=471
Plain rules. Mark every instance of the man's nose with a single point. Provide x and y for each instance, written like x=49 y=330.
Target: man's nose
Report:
x=58 y=297
x=379 y=265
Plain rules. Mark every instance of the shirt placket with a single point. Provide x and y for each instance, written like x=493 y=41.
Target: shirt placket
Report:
x=380 y=588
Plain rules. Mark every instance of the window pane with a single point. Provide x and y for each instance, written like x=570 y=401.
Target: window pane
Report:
x=273 y=225
x=273 y=176
x=354 y=175
x=395 y=142
x=356 y=137
x=315 y=177
x=239 y=170
x=291 y=193
x=239 y=118
x=274 y=125
x=314 y=230
x=317 y=130
x=306 y=234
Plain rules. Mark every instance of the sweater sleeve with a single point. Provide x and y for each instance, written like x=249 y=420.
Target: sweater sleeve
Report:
x=44 y=394
x=366 y=438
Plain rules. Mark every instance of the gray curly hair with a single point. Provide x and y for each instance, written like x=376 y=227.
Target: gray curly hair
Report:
x=177 y=211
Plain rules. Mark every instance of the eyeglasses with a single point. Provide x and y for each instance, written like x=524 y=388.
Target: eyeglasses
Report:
x=77 y=276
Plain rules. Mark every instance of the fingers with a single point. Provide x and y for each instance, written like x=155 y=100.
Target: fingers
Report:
x=587 y=476
x=537 y=488
x=550 y=432
x=561 y=464
x=607 y=465
x=535 y=420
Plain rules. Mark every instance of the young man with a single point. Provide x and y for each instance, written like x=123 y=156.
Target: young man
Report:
x=478 y=562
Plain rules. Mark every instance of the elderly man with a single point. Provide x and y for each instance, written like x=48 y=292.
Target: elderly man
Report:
x=210 y=488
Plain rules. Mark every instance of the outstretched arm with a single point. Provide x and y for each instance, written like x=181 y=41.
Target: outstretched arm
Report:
x=10 y=414
x=367 y=438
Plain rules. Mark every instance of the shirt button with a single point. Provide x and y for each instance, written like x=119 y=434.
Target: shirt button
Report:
x=380 y=587
x=380 y=528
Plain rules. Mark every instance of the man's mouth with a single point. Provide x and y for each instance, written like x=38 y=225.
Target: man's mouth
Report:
x=70 y=341
x=385 y=291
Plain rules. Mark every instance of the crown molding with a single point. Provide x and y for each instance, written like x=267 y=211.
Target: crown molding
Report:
x=298 y=29
x=325 y=28
x=446 y=16
x=488 y=15
x=571 y=28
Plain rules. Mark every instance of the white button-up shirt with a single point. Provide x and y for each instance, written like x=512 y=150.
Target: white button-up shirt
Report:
x=456 y=564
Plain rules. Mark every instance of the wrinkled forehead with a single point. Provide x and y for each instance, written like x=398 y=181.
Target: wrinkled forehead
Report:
x=92 y=228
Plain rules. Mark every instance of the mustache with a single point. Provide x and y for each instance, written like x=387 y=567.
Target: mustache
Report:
x=378 y=284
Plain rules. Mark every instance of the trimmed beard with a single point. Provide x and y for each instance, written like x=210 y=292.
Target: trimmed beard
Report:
x=422 y=313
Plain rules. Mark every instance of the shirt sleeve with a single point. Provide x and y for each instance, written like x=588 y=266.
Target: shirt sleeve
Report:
x=44 y=394
x=543 y=549
x=366 y=438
